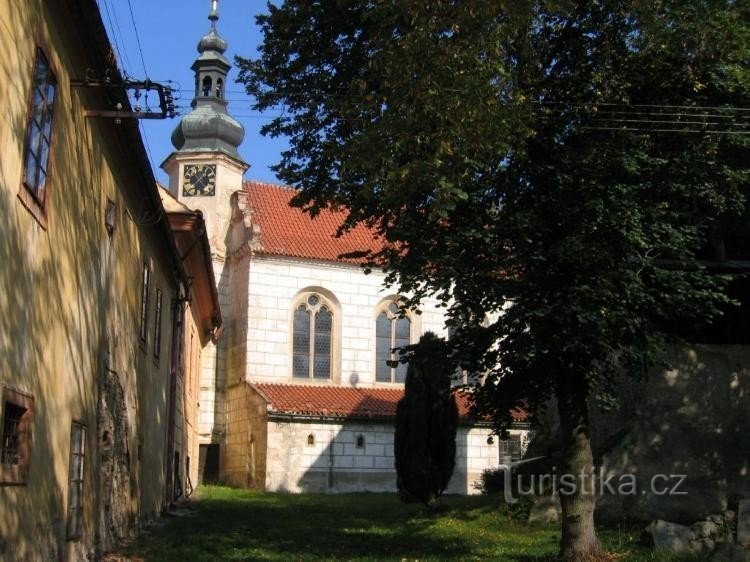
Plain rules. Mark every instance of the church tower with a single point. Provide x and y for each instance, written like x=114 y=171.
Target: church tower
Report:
x=206 y=168
x=204 y=171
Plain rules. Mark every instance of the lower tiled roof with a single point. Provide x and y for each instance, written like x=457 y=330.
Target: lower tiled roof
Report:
x=345 y=401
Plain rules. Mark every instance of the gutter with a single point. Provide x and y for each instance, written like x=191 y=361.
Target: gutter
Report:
x=292 y=417
x=99 y=50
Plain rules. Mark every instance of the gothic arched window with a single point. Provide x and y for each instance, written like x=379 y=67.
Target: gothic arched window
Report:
x=312 y=339
x=391 y=331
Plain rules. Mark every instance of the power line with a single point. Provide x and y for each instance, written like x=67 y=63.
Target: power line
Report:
x=117 y=44
x=137 y=38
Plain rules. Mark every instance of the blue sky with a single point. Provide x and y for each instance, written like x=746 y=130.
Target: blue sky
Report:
x=169 y=31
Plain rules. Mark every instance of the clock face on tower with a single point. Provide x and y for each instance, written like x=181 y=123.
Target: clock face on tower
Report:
x=199 y=180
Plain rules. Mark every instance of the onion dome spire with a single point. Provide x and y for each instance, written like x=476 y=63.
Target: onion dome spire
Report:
x=209 y=127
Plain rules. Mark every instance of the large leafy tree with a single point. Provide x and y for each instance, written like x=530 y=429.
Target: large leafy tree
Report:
x=561 y=164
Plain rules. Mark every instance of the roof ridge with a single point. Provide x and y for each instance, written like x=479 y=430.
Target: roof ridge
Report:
x=268 y=184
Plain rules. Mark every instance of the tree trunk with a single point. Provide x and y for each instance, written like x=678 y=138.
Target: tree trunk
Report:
x=578 y=541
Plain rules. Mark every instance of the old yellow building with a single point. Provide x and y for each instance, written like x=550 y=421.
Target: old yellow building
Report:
x=98 y=326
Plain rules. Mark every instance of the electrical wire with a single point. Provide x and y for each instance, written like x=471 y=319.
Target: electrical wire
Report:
x=137 y=38
x=117 y=44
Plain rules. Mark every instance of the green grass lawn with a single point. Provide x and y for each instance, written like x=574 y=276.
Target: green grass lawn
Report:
x=231 y=524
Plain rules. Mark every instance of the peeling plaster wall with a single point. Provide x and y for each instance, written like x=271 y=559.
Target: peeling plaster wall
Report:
x=70 y=307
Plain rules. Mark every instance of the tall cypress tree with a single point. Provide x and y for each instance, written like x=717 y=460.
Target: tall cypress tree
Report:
x=426 y=423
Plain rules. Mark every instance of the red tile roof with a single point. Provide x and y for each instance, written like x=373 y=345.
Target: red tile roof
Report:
x=345 y=402
x=287 y=231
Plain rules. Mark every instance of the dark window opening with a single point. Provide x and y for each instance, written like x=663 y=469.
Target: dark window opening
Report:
x=360 y=441
x=12 y=434
x=15 y=439
x=207 y=86
x=208 y=464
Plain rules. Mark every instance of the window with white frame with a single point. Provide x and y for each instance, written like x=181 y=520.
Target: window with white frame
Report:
x=312 y=341
x=392 y=331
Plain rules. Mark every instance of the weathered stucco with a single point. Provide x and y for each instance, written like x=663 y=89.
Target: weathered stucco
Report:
x=70 y=299
x=692 y=419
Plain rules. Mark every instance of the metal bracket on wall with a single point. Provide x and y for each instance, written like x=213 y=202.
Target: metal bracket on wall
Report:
x=139 y=88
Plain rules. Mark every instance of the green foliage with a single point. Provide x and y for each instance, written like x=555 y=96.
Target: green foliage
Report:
x=549 y=163
x=492 y=481
x=426 y=423
x=232 y=524
x=502 y=150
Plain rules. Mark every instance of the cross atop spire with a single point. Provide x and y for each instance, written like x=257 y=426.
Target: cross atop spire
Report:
x=213 y=15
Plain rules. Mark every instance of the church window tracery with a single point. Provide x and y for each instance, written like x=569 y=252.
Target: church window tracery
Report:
x=313 y=338
x=392 y=330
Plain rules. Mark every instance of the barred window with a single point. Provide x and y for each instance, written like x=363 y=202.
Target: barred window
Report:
x=15 y=439
x=75 y=480
x=510 y=449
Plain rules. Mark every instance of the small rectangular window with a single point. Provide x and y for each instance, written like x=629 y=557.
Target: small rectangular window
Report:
x=510 y=448
x=15 y=440
x=75 y=480
x=39 y=130
x=145 y=282
x=157 y=325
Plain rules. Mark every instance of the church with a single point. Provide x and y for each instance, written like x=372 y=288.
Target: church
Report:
x=297 y=394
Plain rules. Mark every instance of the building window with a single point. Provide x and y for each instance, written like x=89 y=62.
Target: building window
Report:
x=39 y=130
x=312 y=339
x=311 y=440
x=360 y=441
x=17 y=411
x=145 y=282
x=510 y=449
x=391 y=331
x=75 y=480
x=157 y=325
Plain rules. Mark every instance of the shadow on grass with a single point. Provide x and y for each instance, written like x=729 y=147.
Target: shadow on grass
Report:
x=231 y=524
x=226 y=524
